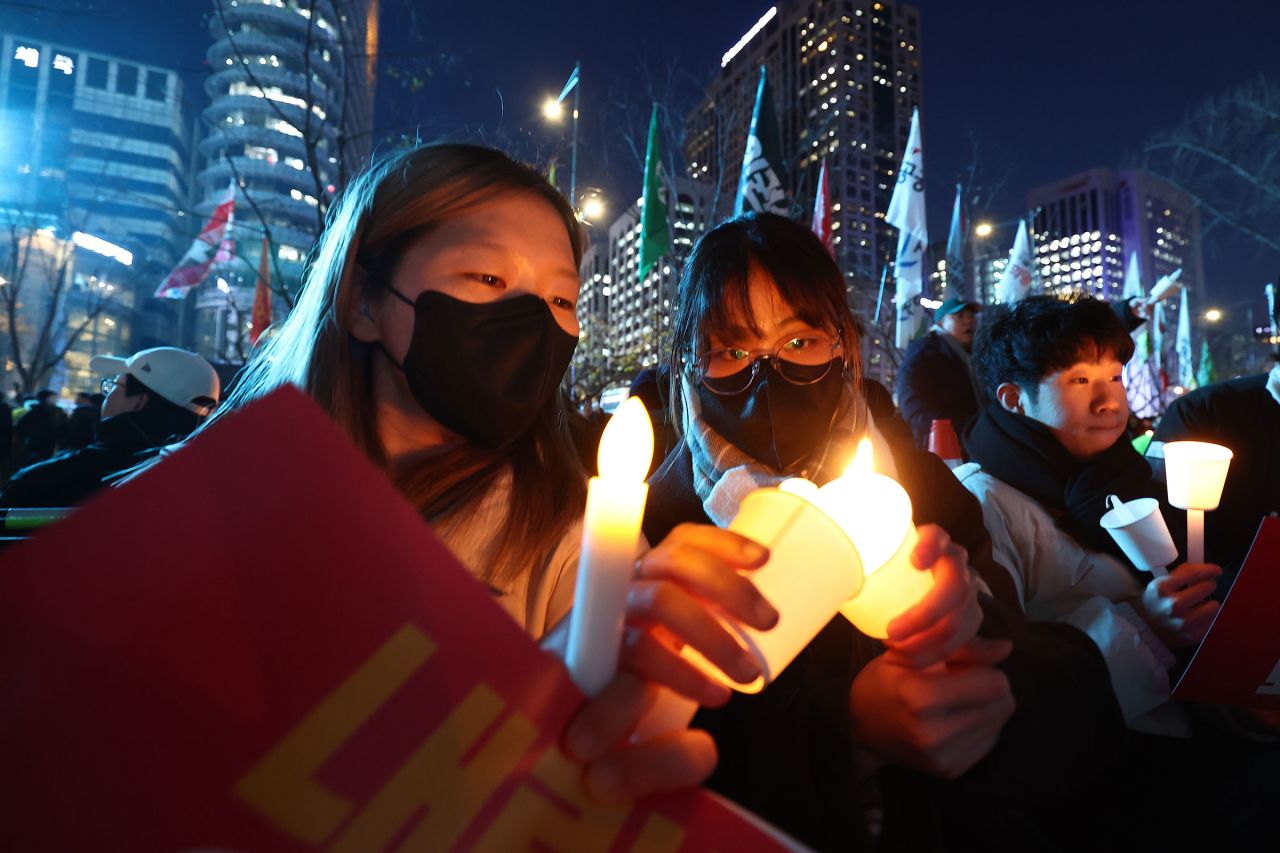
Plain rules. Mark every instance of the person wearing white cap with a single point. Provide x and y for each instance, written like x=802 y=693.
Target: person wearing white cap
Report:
x=153 y=397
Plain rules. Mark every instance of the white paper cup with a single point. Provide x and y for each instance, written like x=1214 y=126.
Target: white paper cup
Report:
x=1195 y=472
x=1140 y=530
x=813 y=568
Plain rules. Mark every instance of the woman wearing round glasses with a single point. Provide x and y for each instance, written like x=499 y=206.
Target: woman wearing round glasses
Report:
x=766 y=385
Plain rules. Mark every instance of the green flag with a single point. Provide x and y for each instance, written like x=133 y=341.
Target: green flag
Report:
x=1207 y=374
x=655 y=231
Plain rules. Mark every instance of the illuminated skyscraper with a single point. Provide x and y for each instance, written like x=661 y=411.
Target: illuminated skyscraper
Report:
x=845 y=75
x=290 y=115
x=1086 y=226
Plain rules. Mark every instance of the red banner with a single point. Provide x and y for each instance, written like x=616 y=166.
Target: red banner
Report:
x=258 y=645
x=1238 y=663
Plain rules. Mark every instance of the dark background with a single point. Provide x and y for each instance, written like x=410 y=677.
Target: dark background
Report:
x=1038 y=90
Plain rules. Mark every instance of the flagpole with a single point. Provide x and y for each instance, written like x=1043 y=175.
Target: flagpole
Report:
x=573 y=155
x=884 y=275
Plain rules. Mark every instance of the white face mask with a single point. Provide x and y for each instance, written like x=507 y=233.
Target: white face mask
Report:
x=1273 y=383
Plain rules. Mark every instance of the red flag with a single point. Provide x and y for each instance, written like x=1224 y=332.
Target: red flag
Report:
x=822 y=211
x=261 y=296
x=194 y=266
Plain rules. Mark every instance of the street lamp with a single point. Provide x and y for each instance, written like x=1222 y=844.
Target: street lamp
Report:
x=553 y=109
x=1213 y=315
x=983 y=229
x=593 y=207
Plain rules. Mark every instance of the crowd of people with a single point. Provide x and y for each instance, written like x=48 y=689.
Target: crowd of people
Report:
x=1023 y=704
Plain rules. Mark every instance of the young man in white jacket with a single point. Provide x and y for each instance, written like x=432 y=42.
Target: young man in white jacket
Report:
x=1045 y=456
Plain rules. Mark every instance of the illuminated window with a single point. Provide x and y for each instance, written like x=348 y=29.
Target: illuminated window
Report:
x=28 y=56
x=64 y=63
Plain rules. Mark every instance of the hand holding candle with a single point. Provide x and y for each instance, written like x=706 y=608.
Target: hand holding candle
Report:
x=610 y=539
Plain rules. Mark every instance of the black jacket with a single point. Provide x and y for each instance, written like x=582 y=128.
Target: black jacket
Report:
x=1242 y=415
x=39 y=432
x=66 y=480
x=786 y=753
x=933 y=383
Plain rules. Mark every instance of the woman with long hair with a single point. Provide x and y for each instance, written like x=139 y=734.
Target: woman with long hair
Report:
x=435 y=325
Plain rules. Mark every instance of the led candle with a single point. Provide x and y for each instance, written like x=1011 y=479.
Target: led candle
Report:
x=610 y=540
x=1195 y=472
x=875 y=511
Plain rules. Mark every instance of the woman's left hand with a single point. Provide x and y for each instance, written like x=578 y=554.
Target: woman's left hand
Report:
x=615 y=769
x=947 y=617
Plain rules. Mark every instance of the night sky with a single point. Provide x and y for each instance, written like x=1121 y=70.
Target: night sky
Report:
x=1046 y=89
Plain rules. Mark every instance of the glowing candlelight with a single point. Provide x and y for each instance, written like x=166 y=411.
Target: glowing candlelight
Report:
x=876 y=513
x=610 y=539
x=1195 y=472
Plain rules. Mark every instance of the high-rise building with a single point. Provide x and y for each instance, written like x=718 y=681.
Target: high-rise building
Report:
x=290 y=117
x=96 y=149
x=1085 y=228
x=845 y=75
x=625 y=321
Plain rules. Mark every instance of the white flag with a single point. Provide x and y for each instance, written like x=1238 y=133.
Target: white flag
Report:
x=1132 y=280
x=1182 y=346
x=1167 y=286
x=906 y=213
x=1017 y=278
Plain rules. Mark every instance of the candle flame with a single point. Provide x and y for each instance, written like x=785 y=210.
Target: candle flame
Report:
x=626 y=447
x=863 y=461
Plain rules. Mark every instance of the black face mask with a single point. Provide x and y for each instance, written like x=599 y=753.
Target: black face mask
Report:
x=775 y=421
x=484 y=370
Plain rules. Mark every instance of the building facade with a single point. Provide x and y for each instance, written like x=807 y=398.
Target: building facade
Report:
x=289 y=117
x=96 y=150
x=845 y=75
x=1085 y=228
x=625 y=321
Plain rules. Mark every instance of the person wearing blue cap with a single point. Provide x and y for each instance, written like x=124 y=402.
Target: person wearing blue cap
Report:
x=936 y=380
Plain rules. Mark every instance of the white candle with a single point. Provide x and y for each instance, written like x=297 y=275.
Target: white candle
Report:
x=610 y=539
x=876 y=513
x=1195 y=472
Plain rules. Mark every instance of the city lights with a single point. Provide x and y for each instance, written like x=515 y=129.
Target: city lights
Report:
x=1213 y=315
x=552 y=110
x=102 y=247
x=983 y=229
x=750 y=34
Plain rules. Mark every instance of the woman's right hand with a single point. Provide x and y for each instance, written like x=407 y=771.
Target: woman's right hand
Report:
x=680 y=585
x=1178 y=607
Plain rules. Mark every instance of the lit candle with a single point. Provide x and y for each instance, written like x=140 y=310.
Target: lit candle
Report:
x=1195 y=472
x=875 y=511
x=610 y=540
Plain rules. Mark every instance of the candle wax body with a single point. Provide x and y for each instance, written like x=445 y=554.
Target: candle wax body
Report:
x=610 y=539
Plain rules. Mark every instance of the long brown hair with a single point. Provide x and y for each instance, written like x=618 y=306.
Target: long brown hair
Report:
x=384 y=211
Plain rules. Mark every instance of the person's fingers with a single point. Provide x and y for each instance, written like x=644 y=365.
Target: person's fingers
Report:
x=1186 y=575
x=1188 y=598
x=607 y=718
x=728 y=546
x=665 y=763
x=670 y=605
x=708 y=575
x=962 y=688
x=940 y=640
x=647 y=656
x=952 y=588
x=1197 y=622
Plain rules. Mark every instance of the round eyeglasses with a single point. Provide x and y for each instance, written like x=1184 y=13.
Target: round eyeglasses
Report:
x=799 y=359
x=109 y=384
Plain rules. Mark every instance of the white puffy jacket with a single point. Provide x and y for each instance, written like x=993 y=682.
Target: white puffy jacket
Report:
x=1060 y=580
